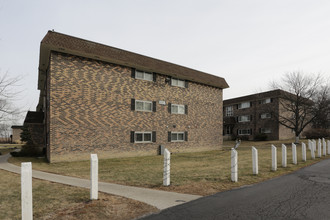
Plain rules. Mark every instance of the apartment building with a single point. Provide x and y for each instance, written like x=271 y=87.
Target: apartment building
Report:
x=100 y=99
x=16 y=134
x=253 y=116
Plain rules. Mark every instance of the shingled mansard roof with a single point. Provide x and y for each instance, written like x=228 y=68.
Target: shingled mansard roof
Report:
x=277 y=93
x=54 y=41
x=34 y=117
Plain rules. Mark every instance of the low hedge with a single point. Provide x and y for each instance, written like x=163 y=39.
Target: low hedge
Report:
x=317 y=133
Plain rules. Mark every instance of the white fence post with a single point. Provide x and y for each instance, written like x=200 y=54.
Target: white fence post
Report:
x=309 y=144
x=234 y=165
x=328 y=146
x=26 y=191
x=313 y=150
x=255 y=169
x=303 y=149
x=284 y=156
x=324 y=147
x=274 y=158
x=319 y=148
x=294 y=154
x=94 y=177
x=167 y=166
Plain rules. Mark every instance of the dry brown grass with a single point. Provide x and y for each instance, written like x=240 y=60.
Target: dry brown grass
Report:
x=201 y=173
x=57 y=201
x=6 y=148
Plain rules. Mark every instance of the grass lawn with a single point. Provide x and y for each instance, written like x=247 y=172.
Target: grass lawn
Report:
x=201 y=173
x=57 y=201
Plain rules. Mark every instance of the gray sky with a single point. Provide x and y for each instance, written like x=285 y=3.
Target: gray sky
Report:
x=248 y=42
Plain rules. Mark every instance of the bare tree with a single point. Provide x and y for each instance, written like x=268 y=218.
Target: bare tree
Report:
x=5 y=131
x=302 y=100
x=8 y=93
x=322 y=115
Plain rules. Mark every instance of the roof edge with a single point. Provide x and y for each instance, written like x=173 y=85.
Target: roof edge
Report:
x=273 y=93
x=46 y=48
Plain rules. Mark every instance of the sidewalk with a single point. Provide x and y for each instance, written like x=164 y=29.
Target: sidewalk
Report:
x=157 y=198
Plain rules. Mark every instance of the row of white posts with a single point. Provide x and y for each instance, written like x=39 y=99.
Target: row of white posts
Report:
x=26 y=182
x=311 y=147
x=26 y=170
x=26 y=186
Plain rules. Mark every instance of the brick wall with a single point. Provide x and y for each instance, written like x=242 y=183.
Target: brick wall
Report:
x=245 y=125
x=37 y=131
x=16 y=135
x=256 y=123
x=268 y=123
x=284 y=132
x=90 y=111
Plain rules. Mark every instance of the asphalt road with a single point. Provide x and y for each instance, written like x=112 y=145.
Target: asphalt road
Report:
x=304 y=194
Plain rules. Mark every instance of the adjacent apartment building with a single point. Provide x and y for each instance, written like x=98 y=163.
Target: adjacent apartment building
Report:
x=16 y=134
x=248 y=117
x=100 y=99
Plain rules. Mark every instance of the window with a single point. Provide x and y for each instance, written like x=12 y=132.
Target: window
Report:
x=143 y=136
x=265 y=130
x=143 y=75
x=244 y=132
x=229 y=111
x=177 y=109
x=228 y=130
x=244 y=118
x=244 y=105
x=143 y=106
x=265 y=101
x=178 y=82
x=265 y=115
x=177 y=136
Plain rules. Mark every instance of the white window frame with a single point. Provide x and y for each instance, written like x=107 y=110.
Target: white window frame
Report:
x=176 y=82
x=177 y=135
x=144 y=77
x=180 y=113
x=143 y=110
x=244 y=105
x=266 y=101
x=265 y=115
x=266 y=130
x=143 y=133
x=229 y=110
x=240 y=132
x=246 y=118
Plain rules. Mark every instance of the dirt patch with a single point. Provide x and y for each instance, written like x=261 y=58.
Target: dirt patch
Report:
x=106 y=207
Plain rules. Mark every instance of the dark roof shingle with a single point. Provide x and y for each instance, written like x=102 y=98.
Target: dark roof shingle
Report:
x=54 y=41
x=34 y=117
x=277 y=93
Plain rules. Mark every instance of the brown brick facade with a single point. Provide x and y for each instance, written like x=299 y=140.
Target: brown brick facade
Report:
x=89 y=111
x=16 y=134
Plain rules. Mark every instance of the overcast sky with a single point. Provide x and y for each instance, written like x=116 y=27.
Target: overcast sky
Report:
x=247 y=42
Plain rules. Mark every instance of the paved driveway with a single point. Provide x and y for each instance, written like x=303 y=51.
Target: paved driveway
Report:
x=304 y=194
